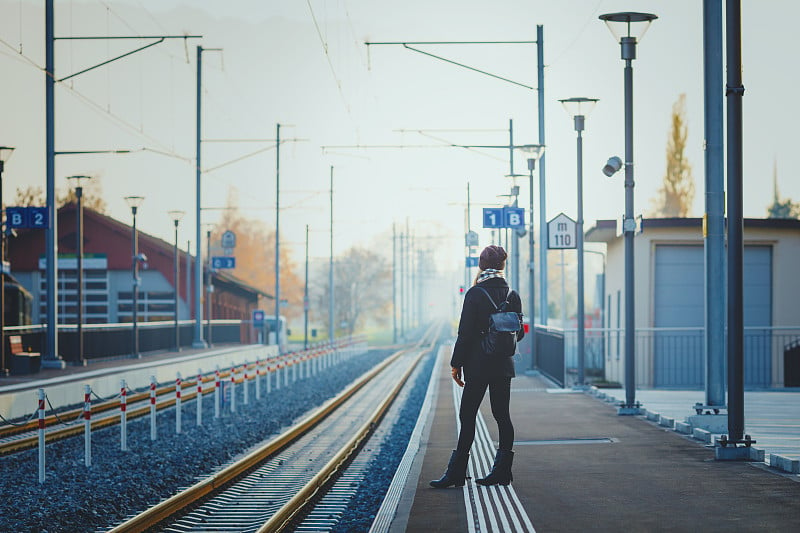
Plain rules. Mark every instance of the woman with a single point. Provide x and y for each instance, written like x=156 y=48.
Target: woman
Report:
x=481 y=371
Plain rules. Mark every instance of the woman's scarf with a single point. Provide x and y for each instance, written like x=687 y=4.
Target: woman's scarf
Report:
x=490 y=273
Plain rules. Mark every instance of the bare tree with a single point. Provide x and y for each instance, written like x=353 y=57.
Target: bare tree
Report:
x=676 y=194
x=362 y=290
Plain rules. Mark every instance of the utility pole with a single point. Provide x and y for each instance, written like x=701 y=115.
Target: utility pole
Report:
x=331 y=299
x=277 y=236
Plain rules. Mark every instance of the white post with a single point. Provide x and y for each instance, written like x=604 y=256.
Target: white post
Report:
x=286 y=372
x=40 y=408
x=178 y=403
x=217 y=387
x=258 y=379
x=199 y=397
x=153 y=432
x=233 y=389
x=123 y=420
x=269 y=378
x=246 y=386
x=87 y=425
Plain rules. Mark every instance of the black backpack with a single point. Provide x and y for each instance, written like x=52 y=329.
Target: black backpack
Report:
x=500 y=338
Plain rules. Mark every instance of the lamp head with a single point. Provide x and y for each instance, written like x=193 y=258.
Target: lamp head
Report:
x=134 y=201
x=612 y=166
x=579 y=106
x=5 y=153
x=628 y=24
x=176 y=215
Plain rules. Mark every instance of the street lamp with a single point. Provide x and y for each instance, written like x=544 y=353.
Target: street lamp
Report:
x=627 y=28
x=578 y=108
x=533 y=153
x=78 y=180
x=176 y=217
x=134 y=202
x=5 y=154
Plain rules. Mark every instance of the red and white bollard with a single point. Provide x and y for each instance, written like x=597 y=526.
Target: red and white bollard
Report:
x=258 y=379
x=123 y=416
x=217 y=391
x=40 y=409
x=199 y=397
x=246 y=386
x=268 y=378
x=178 y=384
x=153 y=432
x=87 y=425
x=233 y=389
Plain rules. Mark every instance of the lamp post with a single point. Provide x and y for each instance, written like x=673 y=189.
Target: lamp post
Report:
x=176 y=217
x=621 y=26
x=79 y=253
x=534 y=152
x=134 y=202
x=5 y=154
x=578 y=108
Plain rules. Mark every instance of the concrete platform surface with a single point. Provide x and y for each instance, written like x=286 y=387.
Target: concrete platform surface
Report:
x=580 y=467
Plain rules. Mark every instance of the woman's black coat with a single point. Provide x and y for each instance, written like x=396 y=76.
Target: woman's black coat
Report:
x=467 y=353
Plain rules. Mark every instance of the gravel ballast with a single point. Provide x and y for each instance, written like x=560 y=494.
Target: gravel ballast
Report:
x=75 y=498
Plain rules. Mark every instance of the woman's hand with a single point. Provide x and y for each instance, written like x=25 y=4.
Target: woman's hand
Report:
x=456 y=373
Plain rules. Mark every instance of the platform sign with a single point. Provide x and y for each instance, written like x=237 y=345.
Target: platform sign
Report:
x=562 y=233
x=27 y=217
x=222 y=261
x=471 y=238
x=514 y=217
x=228 y=239
x=472 y=262
x=493 y=217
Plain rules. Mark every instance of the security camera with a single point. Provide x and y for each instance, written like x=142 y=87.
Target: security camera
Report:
x=613 y=165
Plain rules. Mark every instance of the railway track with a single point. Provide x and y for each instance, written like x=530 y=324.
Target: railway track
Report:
x=65 y=424
x=272 y=484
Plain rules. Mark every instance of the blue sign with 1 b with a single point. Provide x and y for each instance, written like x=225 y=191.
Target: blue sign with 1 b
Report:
x=503 y=217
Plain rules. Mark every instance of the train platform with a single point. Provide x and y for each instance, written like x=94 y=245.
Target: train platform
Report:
x=579 y=466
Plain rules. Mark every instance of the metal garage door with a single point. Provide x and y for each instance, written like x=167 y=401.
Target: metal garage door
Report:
x=677 y=344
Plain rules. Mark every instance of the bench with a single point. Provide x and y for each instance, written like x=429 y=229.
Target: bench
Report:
x=23 y=362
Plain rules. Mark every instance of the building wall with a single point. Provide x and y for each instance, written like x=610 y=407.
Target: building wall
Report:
x=785 y=244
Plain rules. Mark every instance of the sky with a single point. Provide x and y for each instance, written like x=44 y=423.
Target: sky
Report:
x=304 y=65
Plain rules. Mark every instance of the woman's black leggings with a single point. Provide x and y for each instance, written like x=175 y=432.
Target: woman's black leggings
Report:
x=499 y=396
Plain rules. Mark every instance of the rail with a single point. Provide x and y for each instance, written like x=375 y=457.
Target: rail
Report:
x=221 y=480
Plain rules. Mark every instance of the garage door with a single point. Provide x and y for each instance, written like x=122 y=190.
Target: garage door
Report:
x=677 y=344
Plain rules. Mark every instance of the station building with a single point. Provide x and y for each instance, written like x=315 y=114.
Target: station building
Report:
x=669 y=280
x=107 y=275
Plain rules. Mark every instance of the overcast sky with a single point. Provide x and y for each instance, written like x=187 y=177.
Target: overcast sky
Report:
x=305 y=65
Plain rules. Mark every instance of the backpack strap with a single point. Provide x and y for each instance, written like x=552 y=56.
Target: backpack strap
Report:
x=490 y=298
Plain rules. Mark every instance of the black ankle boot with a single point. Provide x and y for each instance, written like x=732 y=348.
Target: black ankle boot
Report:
x=456 y=472
x=501 y=471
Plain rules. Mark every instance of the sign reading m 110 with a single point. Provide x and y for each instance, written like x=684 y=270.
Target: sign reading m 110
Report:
x=562 y=233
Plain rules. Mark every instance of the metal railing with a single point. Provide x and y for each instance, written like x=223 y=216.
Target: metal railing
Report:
x=665 y=357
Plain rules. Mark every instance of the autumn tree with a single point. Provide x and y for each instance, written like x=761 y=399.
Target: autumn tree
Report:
x=362 y=285
x=255 y=257
x=676 y=194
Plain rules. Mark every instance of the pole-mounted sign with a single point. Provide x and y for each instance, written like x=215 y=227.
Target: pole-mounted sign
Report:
x=562 y=233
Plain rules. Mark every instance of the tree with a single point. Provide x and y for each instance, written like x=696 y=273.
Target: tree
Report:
x=362 y=288
x=92 y=196
x=255 y=257
x=676 y=194
x=781 y=208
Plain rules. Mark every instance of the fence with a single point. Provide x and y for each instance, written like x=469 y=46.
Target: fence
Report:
x=109 y=340
x=665 y=357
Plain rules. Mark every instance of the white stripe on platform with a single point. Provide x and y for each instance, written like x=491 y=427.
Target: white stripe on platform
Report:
x=498 y=505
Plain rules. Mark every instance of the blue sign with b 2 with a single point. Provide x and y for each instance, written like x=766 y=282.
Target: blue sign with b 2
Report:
x=27 y=217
